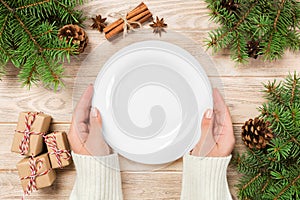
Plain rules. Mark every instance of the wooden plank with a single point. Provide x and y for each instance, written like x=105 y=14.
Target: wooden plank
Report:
x=10 y=159
x=224 y=66
x=136 y=185
x=241 y=94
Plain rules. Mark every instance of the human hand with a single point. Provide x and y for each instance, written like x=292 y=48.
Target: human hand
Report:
x=217 y=139
x=85 y=134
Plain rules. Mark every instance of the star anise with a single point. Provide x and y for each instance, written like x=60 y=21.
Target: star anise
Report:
x=158 y=26
x=99 y=23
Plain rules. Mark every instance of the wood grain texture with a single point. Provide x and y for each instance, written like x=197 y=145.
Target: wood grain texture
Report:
x=240 y=86
x=10 y=158
x=136 y=185
x=240 y=93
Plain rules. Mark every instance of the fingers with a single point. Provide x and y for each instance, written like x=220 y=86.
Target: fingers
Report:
x=223 y=131
x=95 y=143
x=206 y=142
x=79 y=128
x=82 y=110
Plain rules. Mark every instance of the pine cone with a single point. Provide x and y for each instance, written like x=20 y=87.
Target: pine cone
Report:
x=256 y=133
x=230 y=5
x=77 y=34
x=254 y=49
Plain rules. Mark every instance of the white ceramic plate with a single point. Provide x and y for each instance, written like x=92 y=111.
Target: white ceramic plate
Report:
x=152 y=96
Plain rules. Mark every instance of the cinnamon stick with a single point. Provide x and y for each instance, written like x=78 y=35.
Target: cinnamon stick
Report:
x=139 y=14
x=139 y=9
x=143 y=20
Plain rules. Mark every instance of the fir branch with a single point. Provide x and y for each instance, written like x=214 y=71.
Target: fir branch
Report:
x=40 y=48
x=30 y=76
x=33 y=4
x=272 y=23
x=44 y=33
x=295 y=82
x=268 y=49
x=216 y=40
x=70 y=49
x=67 y=9
x=251 y=181
x=278 y=163
x=28 y=38
x=278 y=14
x=293 y=139
x=22 y=24
x=4 y=25
x=273 y=92
x=265 y=185
x=287 y=187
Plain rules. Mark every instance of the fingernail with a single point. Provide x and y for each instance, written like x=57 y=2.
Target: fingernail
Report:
x=94 y=112
x=209 y=113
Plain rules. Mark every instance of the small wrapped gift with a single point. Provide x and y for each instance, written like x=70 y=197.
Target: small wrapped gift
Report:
x=58 y=149
x=35 y=173
x=28 y=138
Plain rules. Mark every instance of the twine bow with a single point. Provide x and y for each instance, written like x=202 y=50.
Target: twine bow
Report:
x=127 y=22
x=35 y=165
x=52 y=144
x=29 y=120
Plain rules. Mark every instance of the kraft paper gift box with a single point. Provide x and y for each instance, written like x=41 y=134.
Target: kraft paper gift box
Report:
x=35 y=171
x=58 y=149
x=32 y=125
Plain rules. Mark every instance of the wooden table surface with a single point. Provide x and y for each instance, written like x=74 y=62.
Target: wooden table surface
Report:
x=241 y=90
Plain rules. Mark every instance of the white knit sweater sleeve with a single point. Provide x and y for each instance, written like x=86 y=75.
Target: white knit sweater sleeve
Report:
x=98 y=178
x=204 y=178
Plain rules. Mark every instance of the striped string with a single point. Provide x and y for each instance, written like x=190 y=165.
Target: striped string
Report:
x=24 y=144
x=51 y=142
x=35 y=165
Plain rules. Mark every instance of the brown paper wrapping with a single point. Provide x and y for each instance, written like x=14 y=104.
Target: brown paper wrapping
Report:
x=40 y=125
x=41 y=181
x=62 y=144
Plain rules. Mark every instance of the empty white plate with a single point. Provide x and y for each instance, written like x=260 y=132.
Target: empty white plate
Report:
x=152 y=96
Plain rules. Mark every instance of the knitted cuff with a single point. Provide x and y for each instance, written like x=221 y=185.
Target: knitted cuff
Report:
x=98 y=177
x=205 y=178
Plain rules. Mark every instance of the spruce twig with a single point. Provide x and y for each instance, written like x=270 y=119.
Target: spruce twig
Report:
x=278 y=14
x=277 y=166
x=287 y=187
x=33 y=4
x=272 y=24
x=28 y=37
x=251 y=181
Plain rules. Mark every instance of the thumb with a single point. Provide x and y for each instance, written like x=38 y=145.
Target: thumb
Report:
x=95 y=143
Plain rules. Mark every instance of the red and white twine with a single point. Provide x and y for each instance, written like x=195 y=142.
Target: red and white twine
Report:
x=50 y=140
x=29 y=120
x=35 y=165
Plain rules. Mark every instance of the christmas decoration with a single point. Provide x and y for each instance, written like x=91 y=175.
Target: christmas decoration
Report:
x=273 y=172
x=58 y=149
x=253 y=28
x=37 y=170
x=35 y=173
x=99 y=23
x=131 y=20
x=158 y=26
x=256 y=133
x=28 y=38
x=75 y=34
x=253 y=49
x=28 y=138
x=230 y=5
